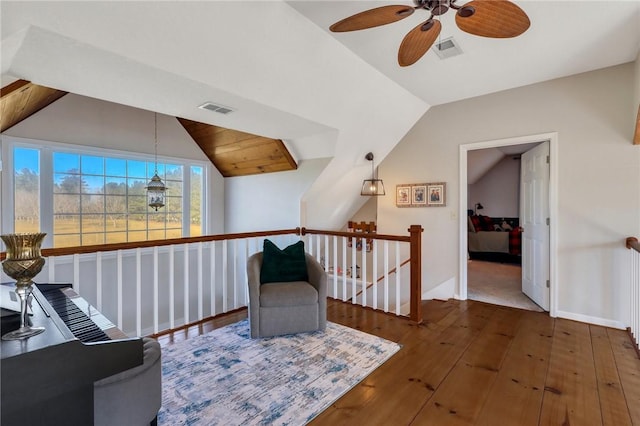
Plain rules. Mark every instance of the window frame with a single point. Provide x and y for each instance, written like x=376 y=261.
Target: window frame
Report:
x=46 y=150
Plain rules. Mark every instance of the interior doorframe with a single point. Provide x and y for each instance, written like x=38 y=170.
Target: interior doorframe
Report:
x=553 y=209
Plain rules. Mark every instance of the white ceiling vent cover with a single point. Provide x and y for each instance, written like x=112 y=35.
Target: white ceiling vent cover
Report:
x=220 y=109
x=447 y=48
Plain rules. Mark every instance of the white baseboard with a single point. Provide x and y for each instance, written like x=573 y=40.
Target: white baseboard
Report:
x=591 y=320
x=442 y=291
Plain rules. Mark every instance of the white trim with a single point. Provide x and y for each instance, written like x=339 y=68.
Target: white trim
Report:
x=591 y=320
x=552 y=137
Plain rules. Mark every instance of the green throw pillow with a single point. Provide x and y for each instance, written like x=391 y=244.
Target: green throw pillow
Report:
x=283 y=265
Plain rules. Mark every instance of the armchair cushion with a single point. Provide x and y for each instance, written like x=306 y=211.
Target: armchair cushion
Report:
x=283 y=265
x=296 y=293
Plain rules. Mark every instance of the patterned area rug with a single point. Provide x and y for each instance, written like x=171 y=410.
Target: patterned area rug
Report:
x=226 y=378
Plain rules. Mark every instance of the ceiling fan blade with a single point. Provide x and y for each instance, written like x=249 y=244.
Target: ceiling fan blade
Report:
x=372 y=18
x=418 y=41
x=492 y=18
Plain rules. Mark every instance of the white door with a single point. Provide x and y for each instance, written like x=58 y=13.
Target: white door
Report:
x=534 y=218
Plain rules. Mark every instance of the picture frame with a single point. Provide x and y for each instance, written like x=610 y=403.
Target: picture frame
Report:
x=419 y=195
x=433 y=194
x=436 y=194
x=403 y=195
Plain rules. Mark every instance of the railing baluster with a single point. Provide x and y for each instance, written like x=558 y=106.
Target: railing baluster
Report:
x=76 y=273
x=234 y=278
x=138 y=292
x=386 y=276
x=51 y=261
x=374 y=276
x=225 y=304
x=364 y=272
x=344 y=269
x=172 y=280
x=398 y=276
x=212 y=263
x=156 y=326
x=354 y=270
x=200 y=291
x=335 y=266
x=98 y=280
x=119 y=287
x=185 y=280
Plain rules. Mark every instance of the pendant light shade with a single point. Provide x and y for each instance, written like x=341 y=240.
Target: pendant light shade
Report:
x=373 y=186
x=156 y=188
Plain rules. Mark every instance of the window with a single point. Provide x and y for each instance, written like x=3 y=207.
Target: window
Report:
x=89 y=198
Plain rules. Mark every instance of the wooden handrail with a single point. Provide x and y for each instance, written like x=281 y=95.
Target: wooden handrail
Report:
x=632 y=243
x=65 y=251
x=382 y=277
x=305 y=231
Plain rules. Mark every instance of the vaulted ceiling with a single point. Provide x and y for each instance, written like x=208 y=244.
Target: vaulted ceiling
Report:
x=232 y=152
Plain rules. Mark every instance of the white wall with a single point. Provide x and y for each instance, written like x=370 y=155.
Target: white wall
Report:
x=269 y=201
x=86 y=121
x=498 y=190
x=598 y=181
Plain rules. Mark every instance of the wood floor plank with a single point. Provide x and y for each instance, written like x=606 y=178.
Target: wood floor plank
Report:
x=394 y=393
x=516 y=395
x=459 y=358
x=612 y=403
x=628 y=366
x=571 y=390
x=459 y=400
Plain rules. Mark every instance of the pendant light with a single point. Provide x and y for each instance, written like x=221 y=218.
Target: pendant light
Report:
x=155 y=187
x=373 y=186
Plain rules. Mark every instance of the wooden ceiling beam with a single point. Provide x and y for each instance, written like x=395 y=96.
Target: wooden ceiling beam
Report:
x=236 y=153
x=21 y=99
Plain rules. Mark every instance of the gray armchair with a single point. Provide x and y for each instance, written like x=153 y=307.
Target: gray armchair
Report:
x=286 y=307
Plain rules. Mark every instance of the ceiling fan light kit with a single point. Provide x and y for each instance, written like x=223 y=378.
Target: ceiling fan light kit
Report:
x=485 y=18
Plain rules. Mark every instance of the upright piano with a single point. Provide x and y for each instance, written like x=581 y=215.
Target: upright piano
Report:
x=48 y=379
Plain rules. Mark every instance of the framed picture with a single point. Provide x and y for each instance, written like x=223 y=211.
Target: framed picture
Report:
x=419 y=195
x=403 y=195
x=436 y=194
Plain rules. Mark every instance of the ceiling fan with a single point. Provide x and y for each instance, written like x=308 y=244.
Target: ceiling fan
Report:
x=486 y=18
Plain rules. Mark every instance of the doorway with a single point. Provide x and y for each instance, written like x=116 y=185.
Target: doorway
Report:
x=506 y=271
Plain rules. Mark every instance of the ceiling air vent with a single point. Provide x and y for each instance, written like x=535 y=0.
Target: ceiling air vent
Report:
x=220 y=109
x=447 y=48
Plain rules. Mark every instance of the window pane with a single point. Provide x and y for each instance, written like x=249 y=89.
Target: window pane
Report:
x=92 y=165
x=116 y=167
x=136 y=169
x=65 y=183
x=152 y=167
x=92 y=223
x=115 y=185
x=137 y=204
x=137 y=187
x=66 y=224
x=174 y=233
x=66 y=163
x=116 y=223
x=136 y=223
x=138 y=236
x=157 y=234
x=93 y=238
x=26 y=190
x=66 y=203
x=116 y=237
x=115 y=204
x=93 y=184
x=92 y=204
x=174 y=188
x=173 y=171
x=66 y=240
x=195 y=201
x=173 y=204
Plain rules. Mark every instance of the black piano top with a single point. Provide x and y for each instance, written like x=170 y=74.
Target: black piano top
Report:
x=55 y=332
x=48 y=378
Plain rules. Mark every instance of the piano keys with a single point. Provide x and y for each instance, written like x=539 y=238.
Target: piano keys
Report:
x=48 y=379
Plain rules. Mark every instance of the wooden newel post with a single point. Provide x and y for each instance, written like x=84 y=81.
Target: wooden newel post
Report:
x=415 y=232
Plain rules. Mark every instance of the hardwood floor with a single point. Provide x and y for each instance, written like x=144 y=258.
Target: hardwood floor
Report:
x=475 y=363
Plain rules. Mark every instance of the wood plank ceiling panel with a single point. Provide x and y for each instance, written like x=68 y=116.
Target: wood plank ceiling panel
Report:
x=21 y=99
x=236 y=153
